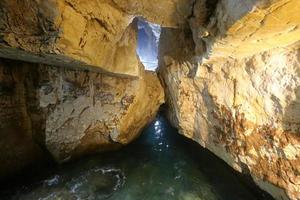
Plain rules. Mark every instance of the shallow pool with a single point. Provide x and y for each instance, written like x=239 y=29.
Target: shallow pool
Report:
x=161 y=164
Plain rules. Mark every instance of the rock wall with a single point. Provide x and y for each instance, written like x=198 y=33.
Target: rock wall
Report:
x=17 y=147
x=62 y=109
x=230 y=70
x=235 y=89
x=240 y=28
x=92 y=34
x=70 y=113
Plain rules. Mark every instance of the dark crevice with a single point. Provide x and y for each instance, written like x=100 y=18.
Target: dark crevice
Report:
x=211 y=8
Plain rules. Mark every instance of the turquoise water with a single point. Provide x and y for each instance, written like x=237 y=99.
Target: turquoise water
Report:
x=160 y=165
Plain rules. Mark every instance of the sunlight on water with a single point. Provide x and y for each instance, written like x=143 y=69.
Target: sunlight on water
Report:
x=160 y=165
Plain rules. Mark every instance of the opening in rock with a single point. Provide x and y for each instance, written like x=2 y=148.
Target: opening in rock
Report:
x=148 y=39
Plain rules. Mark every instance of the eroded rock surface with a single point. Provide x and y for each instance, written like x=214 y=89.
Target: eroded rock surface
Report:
x=230 y=70
x=17 y=147
x=70 y=112
x=90 y=34
x=236 y=96
x=93 y=34
x=89 y=112
x=240 y=29
x=62 y=109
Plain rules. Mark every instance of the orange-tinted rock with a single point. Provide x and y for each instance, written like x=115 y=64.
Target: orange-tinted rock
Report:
x=70 y=113
x=94 y=35
x=244 y=110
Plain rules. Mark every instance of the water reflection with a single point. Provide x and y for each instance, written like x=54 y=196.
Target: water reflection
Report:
x=161 y=165
x=97 y=183
x=159 y=142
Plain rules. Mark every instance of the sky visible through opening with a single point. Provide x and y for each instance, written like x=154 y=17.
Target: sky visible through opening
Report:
x=148 y=39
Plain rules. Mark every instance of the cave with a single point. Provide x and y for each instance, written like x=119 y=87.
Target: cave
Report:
x=178 y=99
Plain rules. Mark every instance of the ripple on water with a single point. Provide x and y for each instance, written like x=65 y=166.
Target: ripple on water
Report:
x=160 y=165
x=93 y=184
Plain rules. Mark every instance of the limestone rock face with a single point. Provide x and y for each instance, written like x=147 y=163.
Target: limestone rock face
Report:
x=230 y=70
x=236 y=96
x=236 y=113
x=71 y=113
x=90 y=112
x=168 y=13
x=64 y=110
x=69 y=33
x=17 y=147
x=240 y=29
x=96 y=34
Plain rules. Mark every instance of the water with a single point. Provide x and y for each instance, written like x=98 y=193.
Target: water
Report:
x=160 y=165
